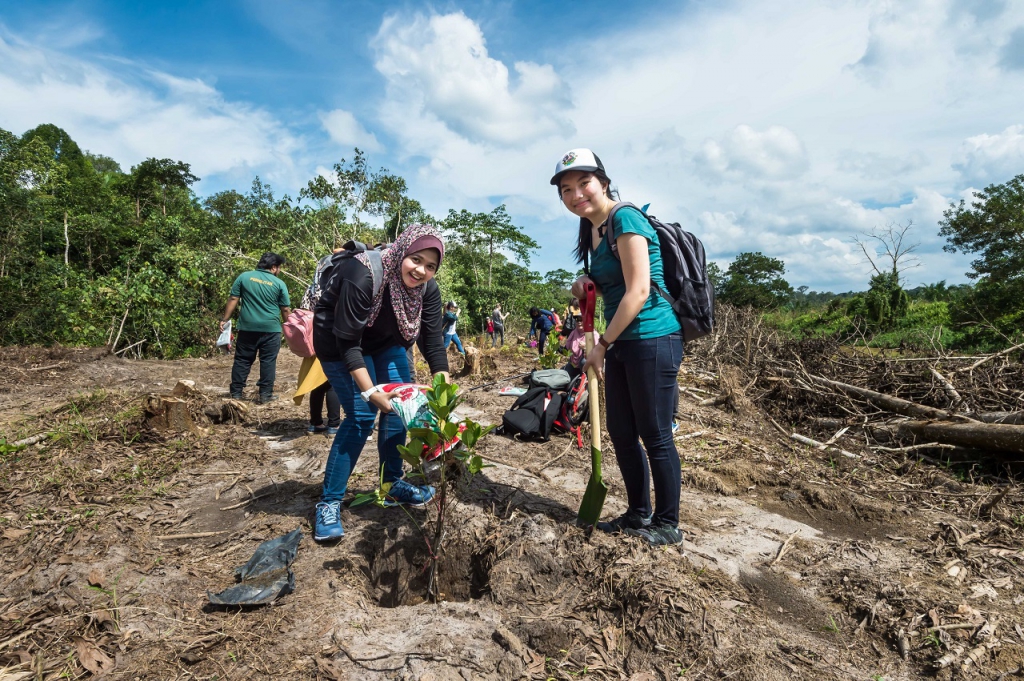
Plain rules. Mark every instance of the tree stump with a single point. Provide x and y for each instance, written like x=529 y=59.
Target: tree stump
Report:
x=167 y=413
x=472 y=367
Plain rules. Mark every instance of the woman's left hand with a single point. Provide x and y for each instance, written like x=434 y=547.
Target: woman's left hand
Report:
x=595 y=361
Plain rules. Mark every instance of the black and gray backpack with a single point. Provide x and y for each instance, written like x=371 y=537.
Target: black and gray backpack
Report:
x=323 y=292
x=690 y=292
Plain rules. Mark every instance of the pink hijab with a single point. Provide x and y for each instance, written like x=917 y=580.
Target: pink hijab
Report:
x=407 y=302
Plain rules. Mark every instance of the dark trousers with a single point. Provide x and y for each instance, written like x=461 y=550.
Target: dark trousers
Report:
x=542 y=337
x=641 y=394
x=248 y=344
x=316 y=406
x=499 y=332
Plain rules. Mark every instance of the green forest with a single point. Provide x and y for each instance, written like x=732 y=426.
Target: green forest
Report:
x=93 y=255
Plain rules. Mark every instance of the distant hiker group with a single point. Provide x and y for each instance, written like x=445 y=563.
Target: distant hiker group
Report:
x=366 y=308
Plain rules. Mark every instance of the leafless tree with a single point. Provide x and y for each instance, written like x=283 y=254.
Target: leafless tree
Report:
x=896 y=249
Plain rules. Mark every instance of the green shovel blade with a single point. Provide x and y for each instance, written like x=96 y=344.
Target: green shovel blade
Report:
x=593 y=498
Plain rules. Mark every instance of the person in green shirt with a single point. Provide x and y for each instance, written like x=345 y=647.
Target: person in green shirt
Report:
x=263 y=301
x=638 y=355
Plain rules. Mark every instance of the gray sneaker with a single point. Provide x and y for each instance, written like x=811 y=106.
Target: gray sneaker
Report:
x=630 y=520
x=659 y=535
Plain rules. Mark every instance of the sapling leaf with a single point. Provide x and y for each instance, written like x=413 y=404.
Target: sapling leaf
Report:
x=450 y=430
x=427 y=435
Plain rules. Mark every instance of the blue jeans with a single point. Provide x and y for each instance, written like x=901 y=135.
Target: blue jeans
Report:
x=387 y=366
x=641 y=394
x=453 y=337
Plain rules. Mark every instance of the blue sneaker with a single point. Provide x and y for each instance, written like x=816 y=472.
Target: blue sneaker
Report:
x=328 y=521
x=331 y=430
x=316 y=429
x=404 y=494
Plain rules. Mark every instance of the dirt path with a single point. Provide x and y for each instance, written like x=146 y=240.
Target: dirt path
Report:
x=797 y=565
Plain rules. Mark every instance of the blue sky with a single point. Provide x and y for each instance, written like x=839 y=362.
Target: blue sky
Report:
x=783 y=129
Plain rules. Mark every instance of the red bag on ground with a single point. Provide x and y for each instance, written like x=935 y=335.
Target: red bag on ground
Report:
x=298 y=332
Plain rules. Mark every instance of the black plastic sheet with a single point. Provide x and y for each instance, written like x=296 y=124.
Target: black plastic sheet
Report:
x=266 y=576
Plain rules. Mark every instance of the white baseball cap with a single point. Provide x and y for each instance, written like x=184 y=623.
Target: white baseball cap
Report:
x=577 y=159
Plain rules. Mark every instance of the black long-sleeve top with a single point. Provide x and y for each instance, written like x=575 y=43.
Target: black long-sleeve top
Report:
x=340 y=331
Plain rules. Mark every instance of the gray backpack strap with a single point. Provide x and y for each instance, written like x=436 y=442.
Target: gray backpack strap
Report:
x=376 y=269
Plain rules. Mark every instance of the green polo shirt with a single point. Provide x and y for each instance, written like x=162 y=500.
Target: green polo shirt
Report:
x=261 y=296
x=656 y=317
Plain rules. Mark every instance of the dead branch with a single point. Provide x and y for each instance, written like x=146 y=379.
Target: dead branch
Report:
x=887 y=402
x=981 y=361
x=954 y=396
x=993 y=436
x=822 y=446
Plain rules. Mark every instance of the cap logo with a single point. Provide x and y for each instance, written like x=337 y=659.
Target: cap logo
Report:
x=569 y=159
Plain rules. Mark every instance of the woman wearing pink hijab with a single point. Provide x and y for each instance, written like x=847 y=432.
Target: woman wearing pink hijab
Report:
x=361 y=340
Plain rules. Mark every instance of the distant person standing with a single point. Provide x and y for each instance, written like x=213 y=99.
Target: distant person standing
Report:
x=451 y=318
x=263 y=300
x=498 y=319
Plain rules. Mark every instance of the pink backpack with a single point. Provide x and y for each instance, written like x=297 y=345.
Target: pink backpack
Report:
x=298 y=333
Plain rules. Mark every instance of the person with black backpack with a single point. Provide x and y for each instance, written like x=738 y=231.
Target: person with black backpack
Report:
x=638 y=355
x=374 y=305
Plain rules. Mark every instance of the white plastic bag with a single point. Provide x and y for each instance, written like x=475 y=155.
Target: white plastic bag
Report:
x=225 y=336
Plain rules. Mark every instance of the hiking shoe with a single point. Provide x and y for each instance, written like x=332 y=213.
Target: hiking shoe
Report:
x=658 y=535
x=237 y=396
x=316 y=429
x=328 y=521
x=404 y=494
x=630 y=520
x=265 y=399
x=331 y=430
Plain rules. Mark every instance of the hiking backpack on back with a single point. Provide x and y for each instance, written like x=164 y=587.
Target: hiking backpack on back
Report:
x=329 y=283
x=690 y=293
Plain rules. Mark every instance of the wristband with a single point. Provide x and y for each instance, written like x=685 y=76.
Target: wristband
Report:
x=366 y=395
x=603 y=342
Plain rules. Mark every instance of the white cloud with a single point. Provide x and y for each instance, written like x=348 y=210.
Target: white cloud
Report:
x=774 y=154
x=984 y=156
x=136 y=113
x=344 y=129
x=438 y=70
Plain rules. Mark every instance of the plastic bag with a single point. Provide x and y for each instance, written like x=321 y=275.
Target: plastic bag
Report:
x=225 y=335
x=410 y=403
x=266 y=576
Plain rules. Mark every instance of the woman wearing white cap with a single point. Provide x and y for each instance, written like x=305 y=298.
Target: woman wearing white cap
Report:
x=641 y=349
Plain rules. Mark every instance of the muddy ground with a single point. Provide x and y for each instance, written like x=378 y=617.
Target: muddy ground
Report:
x=799 y=563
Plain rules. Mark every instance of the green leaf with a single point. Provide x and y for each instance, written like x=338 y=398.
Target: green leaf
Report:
x=450 y=430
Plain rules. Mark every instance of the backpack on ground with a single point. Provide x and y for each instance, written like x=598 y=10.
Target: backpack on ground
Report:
x=575 y=409
x=298 y=328
x=690 y=293
x=552 y=379
x=533 y=414
x=298 y=332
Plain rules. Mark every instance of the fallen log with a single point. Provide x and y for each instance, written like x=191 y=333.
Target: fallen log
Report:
x=994 y=436
x=1013 y=418
x=888 y=402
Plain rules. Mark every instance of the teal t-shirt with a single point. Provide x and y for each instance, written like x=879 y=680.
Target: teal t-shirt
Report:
x=656 y=317
x=261 y=297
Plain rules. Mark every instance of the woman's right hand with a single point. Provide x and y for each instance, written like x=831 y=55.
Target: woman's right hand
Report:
x=382 y=401
x=579 y=287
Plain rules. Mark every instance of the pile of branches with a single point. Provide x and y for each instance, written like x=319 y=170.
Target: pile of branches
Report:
x=939 y=401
